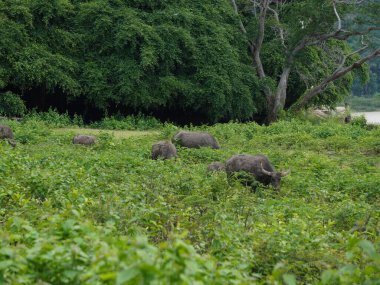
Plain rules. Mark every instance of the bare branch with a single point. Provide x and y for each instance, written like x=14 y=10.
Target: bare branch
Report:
x=255 y=46
x=242 y=28
x=337 y=16
x=352 y=2
x=340 y=35
x=260 y=38
x=263 y=12
x=344 y=35
x=358 y=51
x=338 y=73
x=278 y=21
x=343 y=61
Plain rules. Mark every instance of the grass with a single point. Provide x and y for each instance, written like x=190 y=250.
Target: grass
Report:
x=108 y=214
x=114 y=133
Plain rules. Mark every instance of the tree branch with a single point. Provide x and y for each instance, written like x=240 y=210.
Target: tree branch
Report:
x=242 y=28
x=339 y=35
x=259 y=39
x=347 y=56
x=278 y=21
x=338 y=73
x=337 y=16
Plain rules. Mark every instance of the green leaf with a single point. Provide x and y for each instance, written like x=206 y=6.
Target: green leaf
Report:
x=6 y=263
x=327 y=276
x=369 y=249
x=108 y=276
x=127 y=275
x=289 y=279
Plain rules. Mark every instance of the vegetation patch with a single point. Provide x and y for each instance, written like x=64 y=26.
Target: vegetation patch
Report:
x=108 y=214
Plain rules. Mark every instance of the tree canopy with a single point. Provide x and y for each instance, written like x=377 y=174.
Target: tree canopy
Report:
x=172 y=59
x=306 y=44
x=129 y=56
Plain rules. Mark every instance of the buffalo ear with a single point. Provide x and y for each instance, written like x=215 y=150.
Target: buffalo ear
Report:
x=285 y=173
x=266 y=172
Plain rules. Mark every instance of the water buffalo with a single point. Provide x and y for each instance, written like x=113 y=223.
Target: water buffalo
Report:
x=6 y=132
x=196 y=140
x=84 y=139
x=348 y=119
x=216 y=166
x=258 y=166
x=164 y=150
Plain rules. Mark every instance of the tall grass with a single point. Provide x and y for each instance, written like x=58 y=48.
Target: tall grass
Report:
x=59 y=120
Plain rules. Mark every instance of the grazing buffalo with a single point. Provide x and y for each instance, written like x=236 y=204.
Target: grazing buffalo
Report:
x=216 y=166
x=164 y=150
x=348 y=119
x=258 y=166
x=196 y=140
x=84 y=139
x=5 y=132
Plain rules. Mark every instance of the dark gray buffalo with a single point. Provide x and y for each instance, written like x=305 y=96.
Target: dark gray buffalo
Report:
x=6 y=133
x=164 y=150
x=258 y=166
x=196 y=140
x=216 y=166
x=84 y=139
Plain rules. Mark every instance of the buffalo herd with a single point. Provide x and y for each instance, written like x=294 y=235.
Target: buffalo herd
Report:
x=256 y=167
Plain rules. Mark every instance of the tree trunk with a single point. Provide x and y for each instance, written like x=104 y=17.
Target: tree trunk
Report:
x=277 y=102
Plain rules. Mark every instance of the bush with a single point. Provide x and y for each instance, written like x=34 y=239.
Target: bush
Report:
x=138 y=122
x=53 y=118
x=11 y=105
x=360 y=121
x=59 y=120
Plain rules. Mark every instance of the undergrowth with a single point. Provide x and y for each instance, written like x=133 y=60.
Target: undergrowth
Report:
x=59 y=120
x=107 y=214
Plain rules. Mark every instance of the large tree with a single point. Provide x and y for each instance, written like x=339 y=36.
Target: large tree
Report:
x=306 y=42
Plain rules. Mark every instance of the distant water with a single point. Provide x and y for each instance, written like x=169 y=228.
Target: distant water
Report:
x=372 y=117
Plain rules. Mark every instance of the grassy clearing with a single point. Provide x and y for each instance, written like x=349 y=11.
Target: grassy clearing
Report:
x=107 y=214
x=115 y=133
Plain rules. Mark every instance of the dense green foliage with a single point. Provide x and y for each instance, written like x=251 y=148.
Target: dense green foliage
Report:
x=372 y=87
x=107 y=214
x=185 y=60
x=132 y=122
x=11 y=105
x=128 y=56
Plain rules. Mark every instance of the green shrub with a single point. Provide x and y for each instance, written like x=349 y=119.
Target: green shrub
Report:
x=138 y=122
x=53 y=118
x=360 y=121
x=11 y=105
